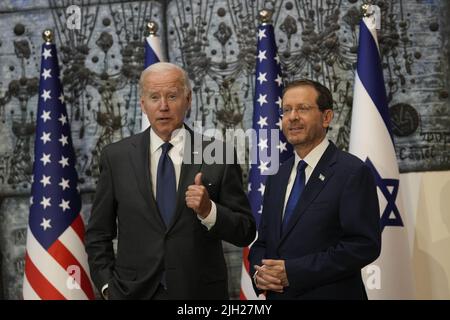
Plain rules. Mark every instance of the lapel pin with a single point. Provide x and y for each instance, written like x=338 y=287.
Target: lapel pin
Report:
x=194 y=152
x=321 y=177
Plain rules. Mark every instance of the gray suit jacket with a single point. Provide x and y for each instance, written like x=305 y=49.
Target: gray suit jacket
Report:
x=191 y=256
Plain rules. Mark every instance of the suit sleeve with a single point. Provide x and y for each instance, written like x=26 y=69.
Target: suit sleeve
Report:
x=359 y=245
x=234 y=223
x=102 y=227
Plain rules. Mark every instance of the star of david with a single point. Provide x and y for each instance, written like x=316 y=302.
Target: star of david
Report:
x=390 y=196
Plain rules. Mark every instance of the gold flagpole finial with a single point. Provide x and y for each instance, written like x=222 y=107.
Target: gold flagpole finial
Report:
x=265 y=16
x=365 y=10
x=47 y=35
x=152 y=28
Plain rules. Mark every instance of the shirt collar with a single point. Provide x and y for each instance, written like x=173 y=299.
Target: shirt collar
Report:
x=177 y=139
x=313 y=157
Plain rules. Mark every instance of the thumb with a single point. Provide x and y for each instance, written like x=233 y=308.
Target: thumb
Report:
x=198 y=179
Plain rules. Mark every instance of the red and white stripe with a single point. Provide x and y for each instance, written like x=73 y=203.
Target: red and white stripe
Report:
x=46 y=276
x=247 y=291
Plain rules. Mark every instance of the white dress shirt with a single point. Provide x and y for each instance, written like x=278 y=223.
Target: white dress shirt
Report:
x=312 y=158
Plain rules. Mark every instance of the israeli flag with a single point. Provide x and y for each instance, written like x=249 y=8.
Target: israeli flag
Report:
x=390 y=276
x=153 y=54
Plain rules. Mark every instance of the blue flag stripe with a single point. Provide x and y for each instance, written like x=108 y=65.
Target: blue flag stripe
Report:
x=370 y=73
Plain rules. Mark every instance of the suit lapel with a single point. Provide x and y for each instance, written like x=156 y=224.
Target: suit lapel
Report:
x=318 y=179
x=140 y=159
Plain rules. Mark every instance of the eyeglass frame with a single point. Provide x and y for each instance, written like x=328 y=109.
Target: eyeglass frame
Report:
x=302 y=109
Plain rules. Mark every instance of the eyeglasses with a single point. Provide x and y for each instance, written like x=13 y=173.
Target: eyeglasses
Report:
x=301 y=109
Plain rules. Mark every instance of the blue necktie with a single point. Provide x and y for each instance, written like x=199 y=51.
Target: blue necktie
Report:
x=296 y=192
x=166 y=190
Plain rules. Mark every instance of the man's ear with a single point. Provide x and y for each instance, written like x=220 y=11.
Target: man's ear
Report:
x=327 y=117
x=141 y=102
x=189 y=100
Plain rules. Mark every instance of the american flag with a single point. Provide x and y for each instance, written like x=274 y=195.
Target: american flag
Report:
x=55 y=260
x=153 y=54
x=266 y=116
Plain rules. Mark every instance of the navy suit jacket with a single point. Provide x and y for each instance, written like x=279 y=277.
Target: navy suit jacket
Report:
x=333 y=233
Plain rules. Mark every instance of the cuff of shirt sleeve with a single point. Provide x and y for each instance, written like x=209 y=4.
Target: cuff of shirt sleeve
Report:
x=104 y=294
x=210 y=219
x=255 y=281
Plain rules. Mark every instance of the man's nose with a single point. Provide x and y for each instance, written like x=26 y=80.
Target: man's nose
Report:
x=294 y=115
x=164 y=105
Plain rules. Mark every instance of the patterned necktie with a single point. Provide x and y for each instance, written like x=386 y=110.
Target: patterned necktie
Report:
x=296 y=192
x=166 y=190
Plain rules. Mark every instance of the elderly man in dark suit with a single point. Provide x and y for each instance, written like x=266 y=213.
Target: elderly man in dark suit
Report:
x=169 y=212
x=320 y=219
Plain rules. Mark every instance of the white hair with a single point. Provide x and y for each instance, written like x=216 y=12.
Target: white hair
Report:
x=161 y=67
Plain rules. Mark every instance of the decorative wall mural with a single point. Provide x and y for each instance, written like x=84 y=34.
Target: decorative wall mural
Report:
x=316 y=39
x=215 y=41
